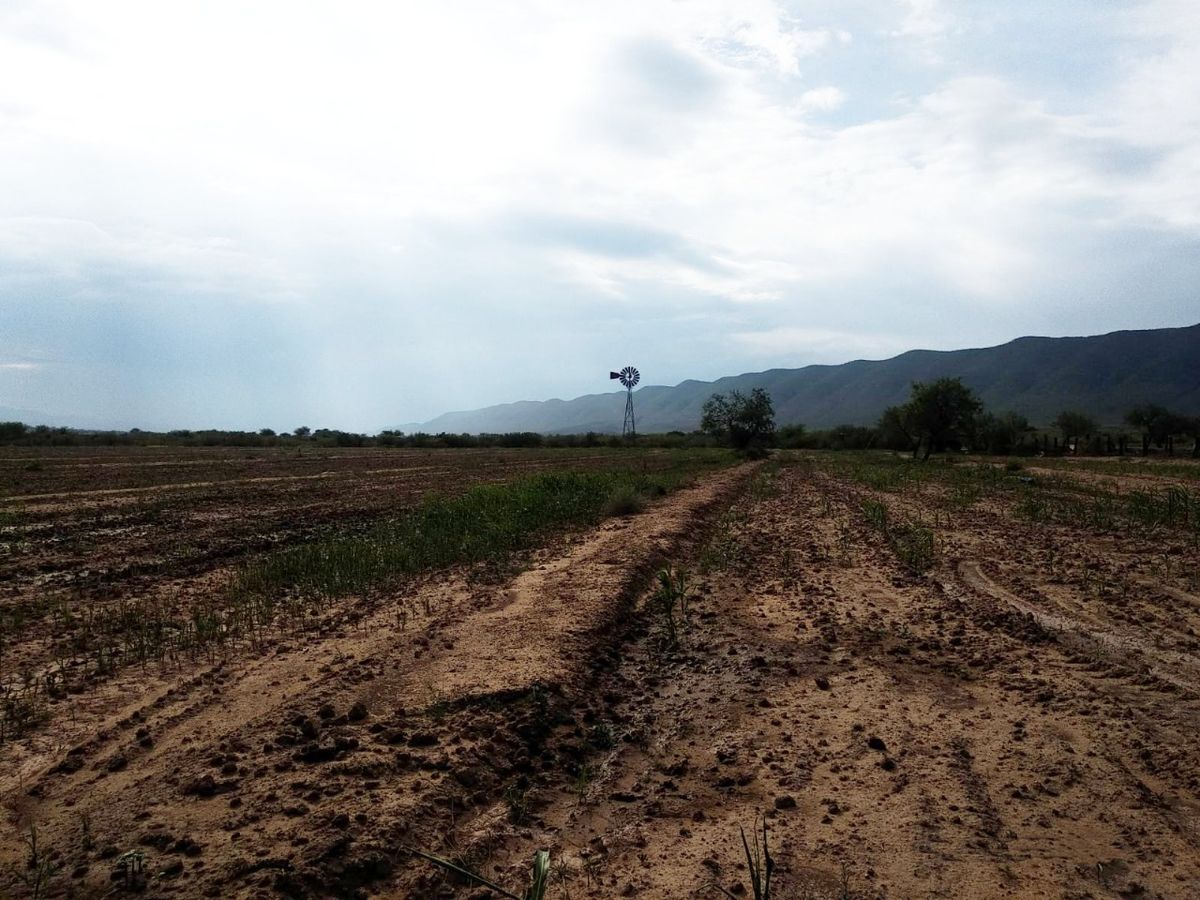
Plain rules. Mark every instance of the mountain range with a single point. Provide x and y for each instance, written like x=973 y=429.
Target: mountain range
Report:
x=1039 y=377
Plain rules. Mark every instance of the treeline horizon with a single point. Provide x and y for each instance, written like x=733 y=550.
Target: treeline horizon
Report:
x=1005 y=435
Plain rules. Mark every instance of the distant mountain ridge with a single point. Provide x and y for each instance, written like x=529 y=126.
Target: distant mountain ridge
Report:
x=1039 y=377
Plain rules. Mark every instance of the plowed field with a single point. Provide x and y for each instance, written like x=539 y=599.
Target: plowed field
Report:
x=975 y=679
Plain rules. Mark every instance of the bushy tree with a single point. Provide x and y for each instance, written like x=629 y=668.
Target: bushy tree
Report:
x=1074 y=425
x=1158 y=425
x=12 y=431
x=746 y=423
x=1000 y=433
x=937 y=415
x=790 y=437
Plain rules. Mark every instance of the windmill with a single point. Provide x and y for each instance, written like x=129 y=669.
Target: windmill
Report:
x=628 y=376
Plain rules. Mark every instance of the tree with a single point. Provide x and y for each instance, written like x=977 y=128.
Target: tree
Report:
x=1154 y=422
x=1000 y=433
x=936 y=415
x=745 y=423
x=1193 y=431
x=790 y=436
x=12 y=431
x=1074 y=425
x=304 y=431
x=897 y=430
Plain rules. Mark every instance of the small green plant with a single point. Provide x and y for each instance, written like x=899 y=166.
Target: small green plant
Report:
x=30 y=839
x=876 y=513
x=516 y=799
x=601 y=736
x=764 y=485
x=759 y=863
x=670 y=600
x=539 y=877
x=39 y=869
x=624 y=501
x=914 y=546
x=583 y=780
x=131 y=868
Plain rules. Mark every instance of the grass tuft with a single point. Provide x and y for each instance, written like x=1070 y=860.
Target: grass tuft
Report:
x=624 y=500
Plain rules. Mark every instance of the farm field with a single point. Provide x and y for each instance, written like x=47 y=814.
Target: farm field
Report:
x=964 y=678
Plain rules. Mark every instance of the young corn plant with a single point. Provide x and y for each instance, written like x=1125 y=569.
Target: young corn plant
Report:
x=759 y=863
x=671 y=602
x=539 y=876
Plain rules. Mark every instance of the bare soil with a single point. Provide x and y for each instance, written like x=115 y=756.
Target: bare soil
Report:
x=1020 y=720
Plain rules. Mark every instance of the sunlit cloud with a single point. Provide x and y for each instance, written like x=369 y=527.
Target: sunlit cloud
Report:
x=361 y=216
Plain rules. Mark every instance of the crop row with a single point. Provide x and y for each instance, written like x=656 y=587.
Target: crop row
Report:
x=289 y=588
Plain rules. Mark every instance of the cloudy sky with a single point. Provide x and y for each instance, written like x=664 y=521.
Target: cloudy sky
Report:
x=362 y=214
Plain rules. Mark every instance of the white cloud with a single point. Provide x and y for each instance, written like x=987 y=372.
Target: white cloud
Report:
x=822 y=99
x=378 y=169
x=924 y=20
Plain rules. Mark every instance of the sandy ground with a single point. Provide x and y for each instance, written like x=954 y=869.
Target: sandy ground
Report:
x=310 y=768
x=903 y=736
x=1019 y=721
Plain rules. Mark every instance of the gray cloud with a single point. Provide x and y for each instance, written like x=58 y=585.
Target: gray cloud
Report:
x=458 y=209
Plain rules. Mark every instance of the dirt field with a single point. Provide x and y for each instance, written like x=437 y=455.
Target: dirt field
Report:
x=964 y=680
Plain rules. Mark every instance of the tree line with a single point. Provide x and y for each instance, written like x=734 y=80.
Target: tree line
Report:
x=938 y=416
x=946 y=415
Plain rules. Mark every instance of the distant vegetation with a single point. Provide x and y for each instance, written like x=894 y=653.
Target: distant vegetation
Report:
x=19 y=434
x=938 y=416
x=746 y=423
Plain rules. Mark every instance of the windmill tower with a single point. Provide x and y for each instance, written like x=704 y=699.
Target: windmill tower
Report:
x=628 y=376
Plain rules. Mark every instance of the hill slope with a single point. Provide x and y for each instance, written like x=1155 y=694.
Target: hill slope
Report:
x=1037 y=376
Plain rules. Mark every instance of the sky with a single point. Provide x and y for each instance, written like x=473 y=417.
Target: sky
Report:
x=356 y=215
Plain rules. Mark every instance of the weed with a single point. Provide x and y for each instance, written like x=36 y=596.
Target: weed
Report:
x=876 y=513
x=30 y=840
x=131 y=868
x=914 y=546
x=624 y=501
x=764 y=484
x=601 y=736
x=516 y=799
x=723 y=548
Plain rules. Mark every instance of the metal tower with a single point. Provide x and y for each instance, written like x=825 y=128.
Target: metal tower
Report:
x=628 y=376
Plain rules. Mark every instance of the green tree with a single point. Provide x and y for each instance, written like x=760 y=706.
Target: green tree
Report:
x=790 y=437
x=937 y=415
x=1000 y=433
x=1074 y=425
x=746 y=423
x=12 y=431
x=1154 y=422
x=304 y=431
